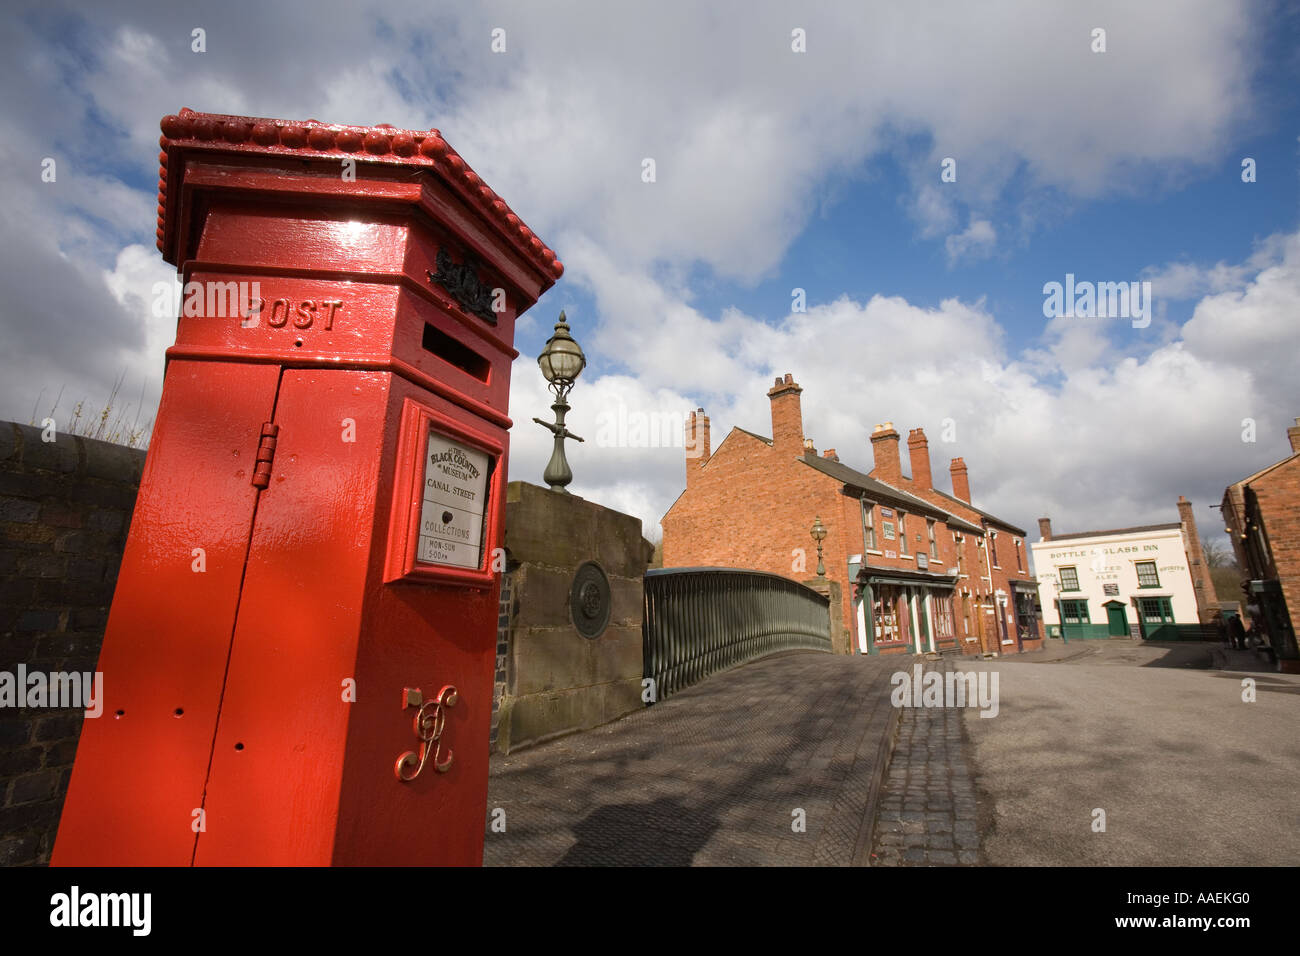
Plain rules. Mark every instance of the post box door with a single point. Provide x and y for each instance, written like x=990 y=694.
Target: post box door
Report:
x=142 y=765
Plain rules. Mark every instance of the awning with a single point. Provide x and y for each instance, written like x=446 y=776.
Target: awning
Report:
x=913 y=581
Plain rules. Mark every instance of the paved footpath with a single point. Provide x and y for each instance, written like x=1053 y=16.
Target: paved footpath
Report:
x=719 y=774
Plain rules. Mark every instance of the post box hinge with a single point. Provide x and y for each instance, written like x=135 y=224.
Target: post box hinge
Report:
x=265 y=455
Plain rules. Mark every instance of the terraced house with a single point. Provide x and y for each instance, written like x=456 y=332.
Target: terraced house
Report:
x=920 y=570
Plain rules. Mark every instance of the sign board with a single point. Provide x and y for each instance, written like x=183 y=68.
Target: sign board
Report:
x=886 y=513
x=1110 y=590
x=443 y=516
x=453 y=504
x=922 y=560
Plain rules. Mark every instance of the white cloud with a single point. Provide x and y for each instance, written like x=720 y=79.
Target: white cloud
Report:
x=976 y=242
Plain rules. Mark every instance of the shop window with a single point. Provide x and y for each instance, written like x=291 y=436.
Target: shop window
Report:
x=1069 y=579
x=884 y=611
x=943 y=624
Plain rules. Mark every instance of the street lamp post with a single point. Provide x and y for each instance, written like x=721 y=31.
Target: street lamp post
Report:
x=561 y=362
x=819 y=533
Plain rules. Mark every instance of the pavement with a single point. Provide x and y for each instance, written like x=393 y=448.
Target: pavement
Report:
x=769 y=764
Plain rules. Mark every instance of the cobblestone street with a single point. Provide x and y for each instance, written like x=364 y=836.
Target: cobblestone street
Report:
x=927 y=807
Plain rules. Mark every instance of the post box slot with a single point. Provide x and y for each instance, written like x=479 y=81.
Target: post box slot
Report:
x=455 y=353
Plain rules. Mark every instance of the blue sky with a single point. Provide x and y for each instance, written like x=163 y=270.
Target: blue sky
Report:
x=775 y=170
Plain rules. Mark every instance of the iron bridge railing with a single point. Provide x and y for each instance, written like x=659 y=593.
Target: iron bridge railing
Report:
x=698 y=621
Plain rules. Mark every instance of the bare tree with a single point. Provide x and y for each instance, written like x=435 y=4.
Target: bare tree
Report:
x=1218 y=554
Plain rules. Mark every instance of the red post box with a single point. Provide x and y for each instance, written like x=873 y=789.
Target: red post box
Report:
x=298 y=664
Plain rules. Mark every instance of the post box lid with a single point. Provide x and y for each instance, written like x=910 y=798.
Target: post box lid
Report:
x=426 y=150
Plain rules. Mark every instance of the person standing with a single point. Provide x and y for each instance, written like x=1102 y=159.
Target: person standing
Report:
x=1237 y=633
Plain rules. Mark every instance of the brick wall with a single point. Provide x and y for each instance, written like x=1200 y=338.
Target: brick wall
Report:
x=1278 y=494
x=65 y=507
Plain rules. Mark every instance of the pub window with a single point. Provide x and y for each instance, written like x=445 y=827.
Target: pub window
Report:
x=902 y=535
x=934 y=541
x=1156 y=611
x=1019 y=564
x=869 y=523
x=993 y=548
x=1147 y=577
x=1069 y=579
x=1074 y=612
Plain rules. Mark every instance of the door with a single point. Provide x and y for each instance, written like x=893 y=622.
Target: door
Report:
x=277 y=760
x=141 y=767
x=1116 y=620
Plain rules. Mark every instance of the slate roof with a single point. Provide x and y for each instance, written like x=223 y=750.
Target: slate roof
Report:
x=878 y=489
x=992 y=518
x=1101 y=534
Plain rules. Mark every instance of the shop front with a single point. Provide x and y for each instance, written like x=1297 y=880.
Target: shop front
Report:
x=902 y=614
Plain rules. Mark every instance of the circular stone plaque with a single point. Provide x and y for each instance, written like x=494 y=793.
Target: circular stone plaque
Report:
x=589 y=600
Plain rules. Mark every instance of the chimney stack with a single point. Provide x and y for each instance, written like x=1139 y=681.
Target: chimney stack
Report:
x=918 y=449
x=698 y=446
x=830 y=453
x=1045 y=528
x=960 y=480
x=1293 y=433
x=1202 y=582
x=787 y=416
x=884 y=446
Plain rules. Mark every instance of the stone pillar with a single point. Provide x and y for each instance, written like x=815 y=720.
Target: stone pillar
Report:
x=575 y=566
x=841 y=638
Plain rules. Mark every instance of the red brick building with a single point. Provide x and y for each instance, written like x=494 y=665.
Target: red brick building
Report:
x=921 y=570
x=1262 y=515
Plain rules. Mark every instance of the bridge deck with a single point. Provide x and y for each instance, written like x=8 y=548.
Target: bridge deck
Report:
x=711 y=776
